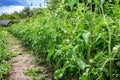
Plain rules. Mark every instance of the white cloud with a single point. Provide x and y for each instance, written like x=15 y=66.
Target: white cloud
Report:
x=35 y=2
x=10 y=9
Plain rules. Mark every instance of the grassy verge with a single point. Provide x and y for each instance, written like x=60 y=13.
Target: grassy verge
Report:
x=5 y=56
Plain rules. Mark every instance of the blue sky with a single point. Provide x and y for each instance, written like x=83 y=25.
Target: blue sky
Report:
x=9 y=6
x=20 y=2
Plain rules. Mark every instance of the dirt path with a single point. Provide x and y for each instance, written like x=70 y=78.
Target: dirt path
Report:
x=22 y=62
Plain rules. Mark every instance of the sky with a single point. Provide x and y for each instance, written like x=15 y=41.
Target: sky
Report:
x=9 y=6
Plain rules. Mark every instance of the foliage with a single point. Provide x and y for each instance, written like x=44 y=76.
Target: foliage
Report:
x=9 y=16
x=26 y=12
x=36 y=73
x=4 y=57
x=81 y=44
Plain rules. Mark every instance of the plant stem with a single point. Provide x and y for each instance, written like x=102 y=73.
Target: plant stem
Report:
x=109 y=47
x=109 y=42
x=91 y=27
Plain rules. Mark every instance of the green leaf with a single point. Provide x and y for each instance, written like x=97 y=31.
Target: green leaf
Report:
x=59 y=73
x=85 y=75
x=71 y=3
x=81 y=64
x=50 y=54
x=63 y=1
x=69 y=53
x=86 y=37
x=89 y=1
x=96 y=40
x=57 y=53
x=101 y=23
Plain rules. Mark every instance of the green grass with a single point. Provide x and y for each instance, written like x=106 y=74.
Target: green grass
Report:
x=36 y=73
x=5 y=56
